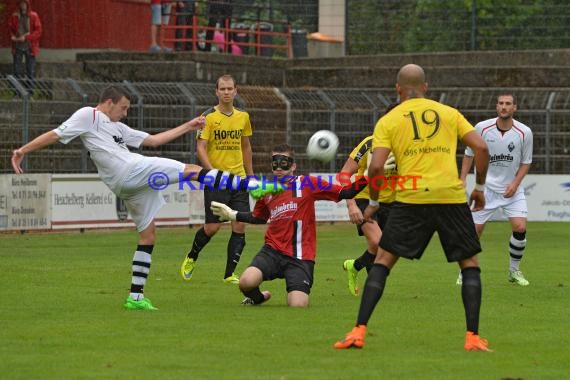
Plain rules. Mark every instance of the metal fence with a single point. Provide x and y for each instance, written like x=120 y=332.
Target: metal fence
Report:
x=277 y=114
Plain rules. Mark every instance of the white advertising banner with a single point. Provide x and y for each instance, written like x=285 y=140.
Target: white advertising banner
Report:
x=196 y=206
x=548 y=197
x=83 y=201
x=24 y=202
x=43 y=201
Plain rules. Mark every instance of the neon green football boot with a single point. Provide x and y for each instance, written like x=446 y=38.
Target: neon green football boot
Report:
x=351 y=273
x=187 y=268
x=265 y=188
x=143 y=304
x=233 y=279
x=517 y=277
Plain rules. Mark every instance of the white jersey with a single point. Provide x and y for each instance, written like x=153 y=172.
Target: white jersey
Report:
x=506 y=152
x=106 y=142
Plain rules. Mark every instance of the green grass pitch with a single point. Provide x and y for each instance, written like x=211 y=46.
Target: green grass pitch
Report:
x=61 y=314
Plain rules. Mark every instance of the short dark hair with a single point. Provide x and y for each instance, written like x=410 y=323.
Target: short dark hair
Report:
x=507 y=93
x=225 y=77
x=284 y=148
x=113 y=92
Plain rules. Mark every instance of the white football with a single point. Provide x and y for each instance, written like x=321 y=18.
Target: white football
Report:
x=322 y=146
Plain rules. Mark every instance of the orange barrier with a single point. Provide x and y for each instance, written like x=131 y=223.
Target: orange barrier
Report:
x=223 y=37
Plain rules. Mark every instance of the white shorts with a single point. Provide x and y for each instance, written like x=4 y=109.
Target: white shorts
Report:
x=141 y=188
x=514 y=207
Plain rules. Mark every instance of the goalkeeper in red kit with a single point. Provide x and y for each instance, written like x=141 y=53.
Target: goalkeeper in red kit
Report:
x=290 y=240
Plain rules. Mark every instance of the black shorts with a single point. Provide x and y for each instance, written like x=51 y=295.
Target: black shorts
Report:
x=236 y=199
x=298 y=274
x=411 y=226
x=383 y=214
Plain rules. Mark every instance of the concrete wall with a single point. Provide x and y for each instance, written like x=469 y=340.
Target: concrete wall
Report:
x=546 y=68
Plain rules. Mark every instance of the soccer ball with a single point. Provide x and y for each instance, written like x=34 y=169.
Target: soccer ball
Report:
x=322 y=146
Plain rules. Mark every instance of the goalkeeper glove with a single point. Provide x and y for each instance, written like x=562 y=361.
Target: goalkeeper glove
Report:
x=390 y=163
x=223 y=211
x=263 y=189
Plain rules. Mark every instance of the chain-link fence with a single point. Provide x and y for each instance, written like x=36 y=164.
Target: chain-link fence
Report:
x=278 y=115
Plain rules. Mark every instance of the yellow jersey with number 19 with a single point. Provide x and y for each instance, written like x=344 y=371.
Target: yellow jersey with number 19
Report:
x=223 y=133
x=423 y=136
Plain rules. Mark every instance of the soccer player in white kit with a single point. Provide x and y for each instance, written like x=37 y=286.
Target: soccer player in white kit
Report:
x=130 y=175
x=510 y=156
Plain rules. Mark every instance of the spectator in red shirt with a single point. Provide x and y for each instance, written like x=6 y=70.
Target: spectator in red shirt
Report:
x=25 y=31
x=291 y=237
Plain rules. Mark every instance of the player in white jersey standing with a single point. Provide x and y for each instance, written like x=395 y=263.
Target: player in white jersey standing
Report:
x=132 y=177
x=510 y=156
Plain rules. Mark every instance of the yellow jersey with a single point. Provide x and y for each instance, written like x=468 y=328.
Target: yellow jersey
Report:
x=361 y=154
x=223 y=133
x=423 y=136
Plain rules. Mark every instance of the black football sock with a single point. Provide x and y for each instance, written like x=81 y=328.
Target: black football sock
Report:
x=517 y=245
x=255 y=295
x=140 y=270
x=235 y=248
x=373 y=289
x=365 y=261
x=200 y=241
x=221 y=180
x=471 y=295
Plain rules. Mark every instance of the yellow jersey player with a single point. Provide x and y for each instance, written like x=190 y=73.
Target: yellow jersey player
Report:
x=423 y=135
x=223 y=143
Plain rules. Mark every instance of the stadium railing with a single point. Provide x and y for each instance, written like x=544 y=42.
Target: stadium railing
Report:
x=277 y=114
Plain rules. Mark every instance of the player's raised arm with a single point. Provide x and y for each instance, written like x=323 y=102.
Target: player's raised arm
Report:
x=38 y=143
x=172 y=134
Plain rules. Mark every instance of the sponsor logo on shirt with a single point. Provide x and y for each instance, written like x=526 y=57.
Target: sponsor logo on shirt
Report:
x=119 y=140
x=501 y=157
x=282 y=208
x=222 y=135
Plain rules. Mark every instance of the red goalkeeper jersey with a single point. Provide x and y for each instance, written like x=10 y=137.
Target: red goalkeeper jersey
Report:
x=291 y=214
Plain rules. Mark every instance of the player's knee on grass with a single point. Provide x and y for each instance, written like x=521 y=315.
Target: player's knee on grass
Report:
x=297 y=298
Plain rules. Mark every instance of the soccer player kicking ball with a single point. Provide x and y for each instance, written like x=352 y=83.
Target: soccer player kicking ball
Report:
x=129 y=175
x=510 y=150
x=290 y=240
x=423 y=136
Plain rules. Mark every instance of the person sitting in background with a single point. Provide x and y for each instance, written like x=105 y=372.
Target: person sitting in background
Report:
x=219 y=13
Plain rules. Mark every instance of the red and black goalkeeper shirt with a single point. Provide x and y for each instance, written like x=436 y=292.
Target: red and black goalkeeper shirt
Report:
x=291 y=214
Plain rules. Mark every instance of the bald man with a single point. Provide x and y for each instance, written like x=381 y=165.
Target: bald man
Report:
x=422 y=134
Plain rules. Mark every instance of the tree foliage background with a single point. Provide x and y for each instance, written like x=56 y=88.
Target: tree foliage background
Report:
x=396 y=26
